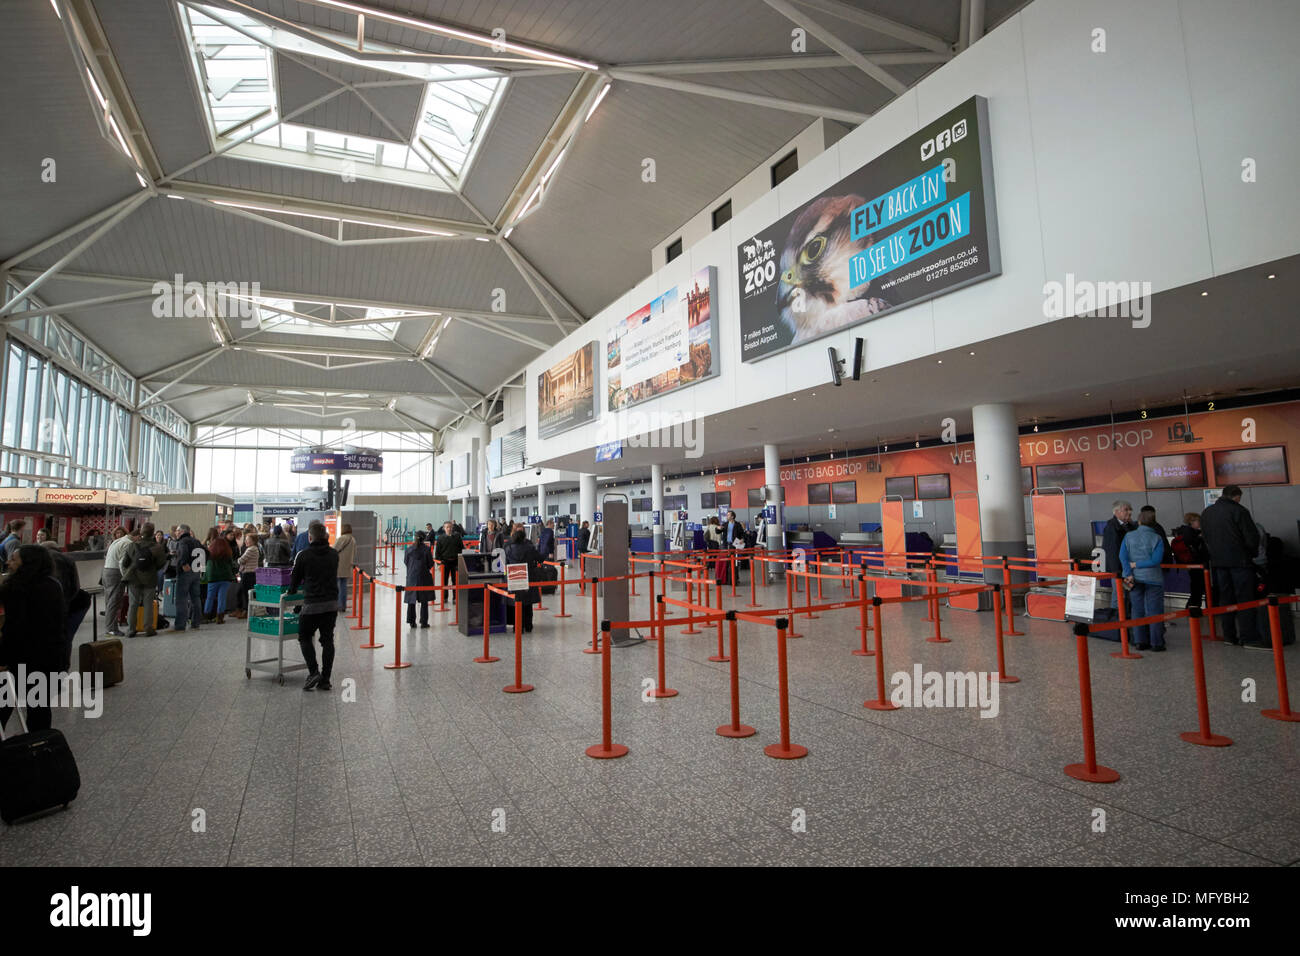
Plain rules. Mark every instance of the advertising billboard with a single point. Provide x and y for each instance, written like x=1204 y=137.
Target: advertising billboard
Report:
x=665 y=345
x=566 y=393
x=914 y=223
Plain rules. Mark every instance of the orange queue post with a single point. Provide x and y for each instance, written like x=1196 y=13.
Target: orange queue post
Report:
x=881 y=702
x=1283 y=710
x=784 y=750
x=864 y=650
x=595 y=639
x=518 y=687
x=486 y=657
x=735 y=728
x=358 y=598
x=1089 y=770
x=1003 y=676
x=1202 y=735
x=606 y=749
x=397 y=663
x=720 y=657
x=656 y=622
x=562 y=566
x=373 y=644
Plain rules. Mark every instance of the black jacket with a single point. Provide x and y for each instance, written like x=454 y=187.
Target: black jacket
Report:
x=546 y=544
x=316 y=571
x=1110 y=542
x=584 y=539
x=448 y=548
x=185 y=549
x=33 y=624
x=526 y=553
x=1195 y=542
x=490 y=541
x=1230 y=534
x=419 y=573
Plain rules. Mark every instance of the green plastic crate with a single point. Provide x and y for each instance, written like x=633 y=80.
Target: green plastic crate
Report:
x=270 y=625
x=270 y=592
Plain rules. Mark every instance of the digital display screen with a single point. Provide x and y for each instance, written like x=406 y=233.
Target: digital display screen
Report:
x=844 y=492
x=929 y=487
x=819 y=494
x=1251 y=466
x=1067 y=477
x=901 y=486
x=1175 y=471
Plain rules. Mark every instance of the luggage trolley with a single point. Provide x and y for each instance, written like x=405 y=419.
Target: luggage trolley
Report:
x=279 y=625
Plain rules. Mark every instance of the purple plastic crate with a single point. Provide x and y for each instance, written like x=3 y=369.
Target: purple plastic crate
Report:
x=277 y=576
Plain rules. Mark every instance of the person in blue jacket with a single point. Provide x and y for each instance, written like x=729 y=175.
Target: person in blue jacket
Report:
x=1140 y=555
x=300 y=544
x=546 y=542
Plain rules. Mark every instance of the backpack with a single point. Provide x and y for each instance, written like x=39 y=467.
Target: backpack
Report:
x=143 y=559
x=1183 y=552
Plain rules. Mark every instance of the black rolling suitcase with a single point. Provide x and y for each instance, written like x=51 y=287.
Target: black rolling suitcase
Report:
x=37 y=773
x=547 y=573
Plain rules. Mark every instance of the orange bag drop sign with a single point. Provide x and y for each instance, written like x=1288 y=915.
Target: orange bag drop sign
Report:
x=517 y=577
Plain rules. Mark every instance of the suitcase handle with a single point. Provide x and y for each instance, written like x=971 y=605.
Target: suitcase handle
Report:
x=7 y=678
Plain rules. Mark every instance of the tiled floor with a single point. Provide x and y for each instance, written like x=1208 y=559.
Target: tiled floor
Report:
x=419 y=768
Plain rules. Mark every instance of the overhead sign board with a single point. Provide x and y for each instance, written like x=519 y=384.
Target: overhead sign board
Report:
x=314 y=462
x=915 y=222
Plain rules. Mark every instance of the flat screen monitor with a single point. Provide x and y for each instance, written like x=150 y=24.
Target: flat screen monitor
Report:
x=819 y=494
x=844 y=492
x=1175 y=471
x=708 y=500
x=1026 y=479
x=754 y=497
x=901 y=486
x=1067 y=476
x=1251 y=466
x=930 y=487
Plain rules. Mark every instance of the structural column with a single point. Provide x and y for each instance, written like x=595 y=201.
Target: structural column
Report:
x=657 y=504
x=586 y=498
x=541 y=501
x=997 y=464
x=510 y=505
x=772 y=496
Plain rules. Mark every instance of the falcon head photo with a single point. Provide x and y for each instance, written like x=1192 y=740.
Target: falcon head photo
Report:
x=814 y=292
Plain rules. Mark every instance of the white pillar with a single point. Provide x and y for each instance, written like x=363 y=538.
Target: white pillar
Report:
x=510 y=505
x=772 y=496
x=541 y=501
x=657 y=504
x=586 y=498
x=997 y=465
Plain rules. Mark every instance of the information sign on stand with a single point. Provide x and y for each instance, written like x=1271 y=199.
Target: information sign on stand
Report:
x=517 y=577
x=800 y=562
x=1080 y=598
x=599 y=517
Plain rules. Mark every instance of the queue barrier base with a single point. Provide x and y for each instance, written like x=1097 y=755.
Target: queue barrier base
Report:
x=1080 y=771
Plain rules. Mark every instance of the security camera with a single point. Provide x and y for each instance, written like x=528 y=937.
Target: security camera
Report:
x=539 y=471
x=837 y=372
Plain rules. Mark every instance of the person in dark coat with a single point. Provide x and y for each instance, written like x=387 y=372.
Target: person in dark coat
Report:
x=419 y=573
x=34 y=624
x=76 y=602
x=522 y=551
x=1233 y=542
x=546 y=542
x=584 y=538
x=491 y=538
x=447 y=550
x=1120 y=523
x=1189 y=548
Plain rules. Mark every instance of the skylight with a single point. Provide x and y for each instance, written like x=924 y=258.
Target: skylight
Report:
x=233 y=58
x=323 y=318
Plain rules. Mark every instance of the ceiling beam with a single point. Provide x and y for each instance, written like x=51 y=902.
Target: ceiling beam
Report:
x=276 y=203
x=873 y=70
x=804 y=61
x=718 y=92
x=874 y=21
x=506 y=333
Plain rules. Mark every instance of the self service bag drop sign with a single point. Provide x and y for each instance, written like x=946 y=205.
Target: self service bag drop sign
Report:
x=914 y=223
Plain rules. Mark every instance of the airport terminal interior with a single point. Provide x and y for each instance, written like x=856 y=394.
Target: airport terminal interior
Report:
x=610 y=433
